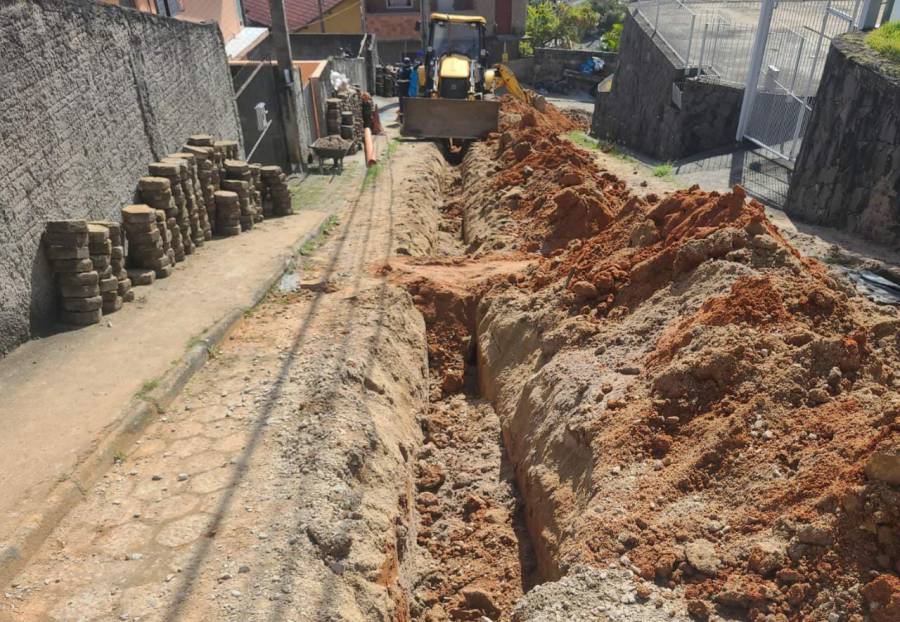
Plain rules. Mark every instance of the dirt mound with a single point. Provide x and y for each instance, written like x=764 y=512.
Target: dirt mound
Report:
x=690 y=398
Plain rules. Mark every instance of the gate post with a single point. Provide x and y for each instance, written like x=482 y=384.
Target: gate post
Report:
x=756 y=60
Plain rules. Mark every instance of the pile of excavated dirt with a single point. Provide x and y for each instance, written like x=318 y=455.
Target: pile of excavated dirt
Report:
x=682 y=394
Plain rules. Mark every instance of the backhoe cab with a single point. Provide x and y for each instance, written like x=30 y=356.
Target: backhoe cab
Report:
x=451 y=102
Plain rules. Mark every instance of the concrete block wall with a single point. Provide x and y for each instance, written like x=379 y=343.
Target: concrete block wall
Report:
x=847 y=174
x=90 y=94
x=640 y=113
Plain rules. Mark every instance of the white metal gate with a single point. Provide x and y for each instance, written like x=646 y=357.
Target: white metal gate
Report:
x=791 y=44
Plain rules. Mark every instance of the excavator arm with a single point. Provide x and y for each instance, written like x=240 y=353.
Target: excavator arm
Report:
x=503 y=77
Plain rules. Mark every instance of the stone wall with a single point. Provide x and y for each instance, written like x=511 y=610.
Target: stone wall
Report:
x=640 y=112
x=90 y=95
x=549 y=63
x=847 y=173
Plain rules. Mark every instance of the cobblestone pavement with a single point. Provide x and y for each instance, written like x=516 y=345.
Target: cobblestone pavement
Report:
x=236 y=504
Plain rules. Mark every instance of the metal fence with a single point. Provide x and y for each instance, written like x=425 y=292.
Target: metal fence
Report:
x=714 y=40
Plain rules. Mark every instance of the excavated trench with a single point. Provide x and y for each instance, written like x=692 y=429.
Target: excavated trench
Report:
x=642 y=407
x=474 y=558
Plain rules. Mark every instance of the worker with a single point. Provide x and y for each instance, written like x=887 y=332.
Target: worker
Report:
x=403 y=82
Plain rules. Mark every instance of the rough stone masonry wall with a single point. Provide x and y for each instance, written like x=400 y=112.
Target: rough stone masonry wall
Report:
x=847 y=174
x=90 y=94
x=639 y=112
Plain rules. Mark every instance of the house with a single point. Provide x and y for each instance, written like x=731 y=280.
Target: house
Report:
x=394 y=23
x=226 y=13
x=310 y=16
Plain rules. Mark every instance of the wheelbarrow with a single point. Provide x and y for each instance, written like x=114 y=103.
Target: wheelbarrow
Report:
x=329 y=151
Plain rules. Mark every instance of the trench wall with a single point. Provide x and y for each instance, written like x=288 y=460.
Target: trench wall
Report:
x=847 y=173
x=640 y=112
x=90 y=94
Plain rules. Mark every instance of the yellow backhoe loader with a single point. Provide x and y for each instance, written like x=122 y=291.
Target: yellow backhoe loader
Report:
x=452 y=102
x=456 y=98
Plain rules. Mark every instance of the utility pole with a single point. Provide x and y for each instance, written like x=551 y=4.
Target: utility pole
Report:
x=288 y=80
x=423 y=23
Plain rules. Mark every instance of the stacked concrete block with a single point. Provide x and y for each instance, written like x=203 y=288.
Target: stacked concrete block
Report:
x=256 y=189
x=200 y=140
x=162 y=225
x=145 y=244
x=68 y=250
x=229 y=148
x=194 y=191
x=208 y=176
x=190 y=202
x=242 y=190
x=228 y=213
x=220 y=151
x=238 y=170
x=117 y=260
x=100 y=247
x=275 y=190
x=156 y=192
x=172 y=171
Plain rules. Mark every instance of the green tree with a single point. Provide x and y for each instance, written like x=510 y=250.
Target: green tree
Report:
x=576 y=21
x=609 y=12
x=558 y=23
x=611 y=38
x=541 y=23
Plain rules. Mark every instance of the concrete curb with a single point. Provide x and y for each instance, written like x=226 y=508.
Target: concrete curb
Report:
x=142 y=408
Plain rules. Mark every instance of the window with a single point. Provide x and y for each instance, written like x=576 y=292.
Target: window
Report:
x=399 y=4
x=463 y=5
x=456 y=38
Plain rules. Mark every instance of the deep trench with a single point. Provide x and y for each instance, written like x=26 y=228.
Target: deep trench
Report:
x=471 y=517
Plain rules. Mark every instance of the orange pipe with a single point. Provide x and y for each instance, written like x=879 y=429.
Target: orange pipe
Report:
x=370 y=147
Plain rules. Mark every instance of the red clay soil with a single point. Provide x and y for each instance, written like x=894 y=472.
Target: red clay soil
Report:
x=759 y=412
x=446 y=291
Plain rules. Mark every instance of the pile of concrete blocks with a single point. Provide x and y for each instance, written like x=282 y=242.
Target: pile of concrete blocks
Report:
x=189 y=195
x=117 y=259
x=156 y=192
x=190 y=209
x=208 y=177
x=146 y=252
x=351 y=109
x=229 y=148
x=194 y=192
x=239 y=179
x=256 y=189
x=228 y=213
x=67 y=249
x=100 y=247
x=275 y=195
x=172 y=172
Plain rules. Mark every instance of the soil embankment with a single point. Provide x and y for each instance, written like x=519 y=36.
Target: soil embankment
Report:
x=683 y=394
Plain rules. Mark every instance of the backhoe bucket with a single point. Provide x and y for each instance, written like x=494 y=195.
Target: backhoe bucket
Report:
x=426 y=117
